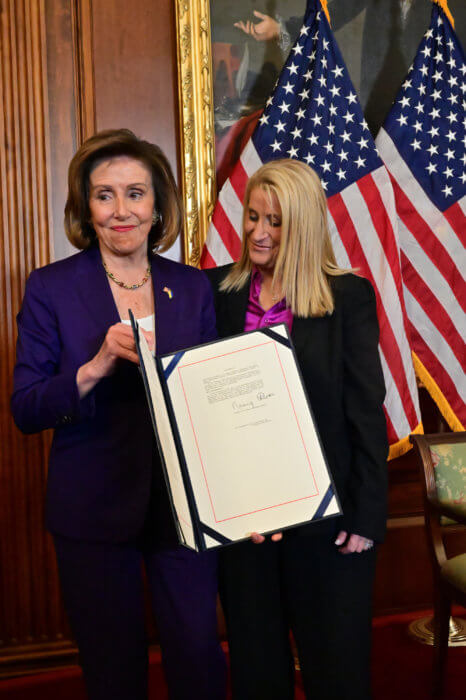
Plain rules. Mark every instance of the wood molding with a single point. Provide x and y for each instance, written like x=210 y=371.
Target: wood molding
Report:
x=29 y=611
x=83 y=58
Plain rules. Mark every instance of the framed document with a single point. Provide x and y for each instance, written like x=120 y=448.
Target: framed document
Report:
x=237 y=438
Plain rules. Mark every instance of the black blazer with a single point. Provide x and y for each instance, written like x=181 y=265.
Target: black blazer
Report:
x=340 y=364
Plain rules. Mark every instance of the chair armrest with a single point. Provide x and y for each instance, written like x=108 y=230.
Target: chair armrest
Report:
x=454 y=511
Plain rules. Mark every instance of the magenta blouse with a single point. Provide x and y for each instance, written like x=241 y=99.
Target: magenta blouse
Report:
x=256 y=317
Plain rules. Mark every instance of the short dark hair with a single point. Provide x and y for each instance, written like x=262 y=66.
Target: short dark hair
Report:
x=110 y=144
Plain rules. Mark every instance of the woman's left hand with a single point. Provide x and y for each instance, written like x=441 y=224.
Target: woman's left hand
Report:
x=353 y=543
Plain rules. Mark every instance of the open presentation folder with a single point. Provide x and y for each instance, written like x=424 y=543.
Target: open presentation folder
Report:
x=236 y=437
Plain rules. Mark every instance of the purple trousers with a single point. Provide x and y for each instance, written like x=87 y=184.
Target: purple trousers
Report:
x=102 y=586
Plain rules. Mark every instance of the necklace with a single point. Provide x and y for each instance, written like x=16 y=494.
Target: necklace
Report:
x=122 y=284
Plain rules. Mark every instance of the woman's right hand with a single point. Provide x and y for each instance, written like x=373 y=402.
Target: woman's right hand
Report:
x=258 y=539
x=118 y=345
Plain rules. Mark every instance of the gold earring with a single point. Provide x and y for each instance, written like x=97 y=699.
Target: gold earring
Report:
x=155 y=217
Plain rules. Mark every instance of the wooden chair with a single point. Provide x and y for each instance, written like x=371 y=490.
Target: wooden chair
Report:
x=443 y=467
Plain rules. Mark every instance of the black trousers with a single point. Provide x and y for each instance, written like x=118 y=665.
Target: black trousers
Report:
x=305 y=585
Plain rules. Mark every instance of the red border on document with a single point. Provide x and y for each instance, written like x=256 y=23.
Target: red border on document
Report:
x=277 y=505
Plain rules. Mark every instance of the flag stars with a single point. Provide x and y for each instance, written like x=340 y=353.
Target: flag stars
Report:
x=279 y=126
x=463 y=178
x=419 y=108
x=264 y=119
x=333 y=110
x=417 y=126
x=320 y=100
x=436 y=95
x=317 y=119
x=433 y=131
x=453 y=99
x=308 y=74
x=433 y=150
x=329 y=147
x=429 y=34
x=313 y=139
x=437 y=76
x=404 y=102
x=304 y=30
x=288 y=88
x=346 y=136
x=351 y=98
x=297 y=50
x=322 y=81
x=438 y=56
x=416 y=145
x=300 y=114
x=296 y=133
x=293 y=152
x=341 y=174
x=276 y=145
x=448 y=172
x=360 y=162
x=452 y=117
x=453 y=81
x=362 y=143
x=426 y=51
x=447 y=191
x=293 y=68
x=407 y=84
x=451 y=136
x=434 y=113
x=331 y=128
x=348 y=117
x=325 y=43
x=326 y=166
x=402 y=120
x=343 y=155
x=337 y=71
x=449 y=154
x=304 y=94
x=431 y=168
x=309 y=159
x=422 y=89
x=335 y=91
x=284 y=107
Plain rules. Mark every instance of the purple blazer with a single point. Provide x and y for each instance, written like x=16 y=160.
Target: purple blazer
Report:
x=103 y=457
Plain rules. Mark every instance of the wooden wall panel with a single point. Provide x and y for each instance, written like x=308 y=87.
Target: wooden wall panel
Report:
x=29 y=613
x=135 y=70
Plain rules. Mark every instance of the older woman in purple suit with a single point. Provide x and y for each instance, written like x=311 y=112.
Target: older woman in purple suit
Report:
x=76 y=372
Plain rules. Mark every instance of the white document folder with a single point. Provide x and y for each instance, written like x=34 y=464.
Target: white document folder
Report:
x=236 y=437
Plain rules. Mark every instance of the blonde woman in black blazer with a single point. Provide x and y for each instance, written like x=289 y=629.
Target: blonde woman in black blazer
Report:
x=315 y=580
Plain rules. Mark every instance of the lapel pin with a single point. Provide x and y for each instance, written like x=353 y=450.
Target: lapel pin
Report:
x=168 y=291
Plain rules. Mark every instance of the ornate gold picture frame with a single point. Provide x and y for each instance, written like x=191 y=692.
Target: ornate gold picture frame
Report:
x=196 y=122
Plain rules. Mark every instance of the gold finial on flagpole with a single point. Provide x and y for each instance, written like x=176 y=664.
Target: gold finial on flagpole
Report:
x=444 y=5
x=325 y=9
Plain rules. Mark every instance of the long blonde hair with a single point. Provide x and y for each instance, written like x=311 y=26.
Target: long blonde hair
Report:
x=305 y=258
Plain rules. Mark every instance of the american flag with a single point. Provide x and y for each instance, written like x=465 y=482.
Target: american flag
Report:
x=314 y=115
x=423 y=144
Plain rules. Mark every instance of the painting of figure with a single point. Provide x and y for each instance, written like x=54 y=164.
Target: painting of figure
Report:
x=251 y=41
